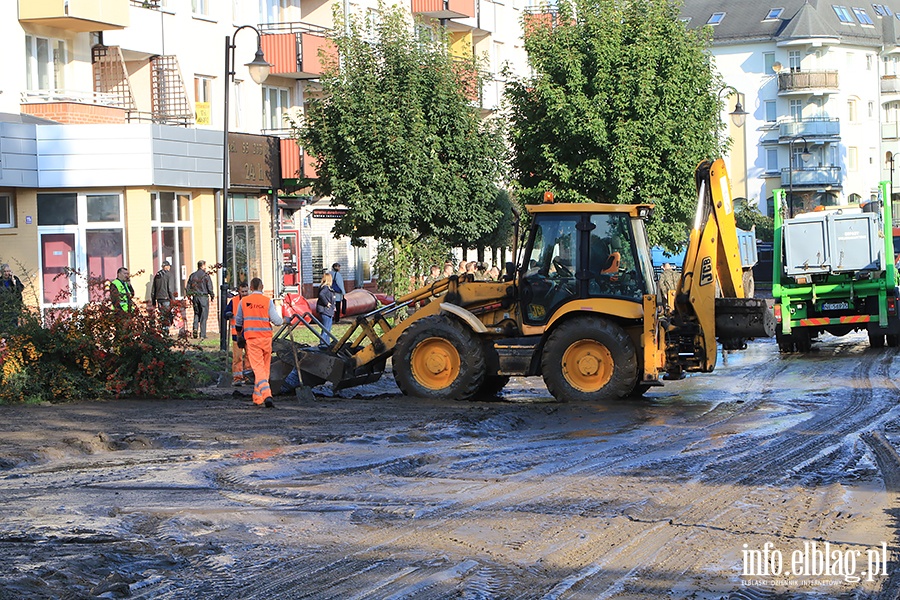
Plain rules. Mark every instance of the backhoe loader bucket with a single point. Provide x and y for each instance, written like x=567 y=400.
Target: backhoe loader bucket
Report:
x=739 y=319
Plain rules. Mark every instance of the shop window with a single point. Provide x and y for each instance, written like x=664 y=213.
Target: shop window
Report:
x=170 y=221
x=243 y=241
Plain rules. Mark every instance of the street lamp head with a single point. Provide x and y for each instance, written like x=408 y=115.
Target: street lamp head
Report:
x=806 y=154
x=739 y=115
x=259 y=68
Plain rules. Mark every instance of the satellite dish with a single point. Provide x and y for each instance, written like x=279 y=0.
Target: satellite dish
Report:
x=777 y=67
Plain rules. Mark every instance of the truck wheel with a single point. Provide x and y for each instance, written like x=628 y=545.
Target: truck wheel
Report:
x=876 y=340
x=749 y=284
x=438 y=358
x=803 y=341
x=785 y=342
x=589 y=360
x=893 y=340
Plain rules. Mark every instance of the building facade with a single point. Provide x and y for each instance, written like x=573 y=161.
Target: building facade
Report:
x=819 y=81
x=112 y=117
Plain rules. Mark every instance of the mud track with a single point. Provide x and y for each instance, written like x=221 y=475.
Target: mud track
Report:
x=378 y=496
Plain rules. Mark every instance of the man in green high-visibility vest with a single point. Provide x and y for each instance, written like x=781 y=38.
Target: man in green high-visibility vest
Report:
x=120 y=291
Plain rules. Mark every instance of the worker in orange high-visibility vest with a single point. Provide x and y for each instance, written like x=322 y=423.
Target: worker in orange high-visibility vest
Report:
x=238 y=354
x=253 y=323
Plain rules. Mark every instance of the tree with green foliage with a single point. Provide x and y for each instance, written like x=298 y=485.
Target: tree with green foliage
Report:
x=399 y=144
x=621 y=108
x=747 y=217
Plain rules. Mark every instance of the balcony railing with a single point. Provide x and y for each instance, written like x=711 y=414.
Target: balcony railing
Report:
x=811 y=176
x=799 y=81
x=48 y=96
x=890 y=84
x=293 y=49
x=817 y=127
x=890 y=131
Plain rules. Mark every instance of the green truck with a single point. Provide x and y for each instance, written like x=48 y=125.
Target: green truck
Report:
x=836 y=273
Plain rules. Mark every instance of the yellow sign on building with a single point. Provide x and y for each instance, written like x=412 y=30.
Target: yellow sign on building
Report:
x=204 y=116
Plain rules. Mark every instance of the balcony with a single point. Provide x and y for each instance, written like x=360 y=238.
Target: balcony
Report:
x=820 y=129
x=296 y=164
x=890 y=131
x=807 y=82
x=75 y=15
x=293 y=49
x=811 y=177
x=444 y=9
x=73 y=107
x=890 y=85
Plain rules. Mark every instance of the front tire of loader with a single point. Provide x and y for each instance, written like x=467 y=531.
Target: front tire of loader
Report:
x=589 y=360
x=439 y=358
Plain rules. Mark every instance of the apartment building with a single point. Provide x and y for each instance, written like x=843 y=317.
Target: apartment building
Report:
x=112 y=117
x=819 y=80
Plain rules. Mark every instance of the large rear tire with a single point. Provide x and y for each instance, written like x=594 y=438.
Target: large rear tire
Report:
x=589 y=360
x=876 y=340
x=436 y=357
x=893 y=340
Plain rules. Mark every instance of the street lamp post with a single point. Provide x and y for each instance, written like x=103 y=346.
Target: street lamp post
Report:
x=259 y=70
x=738 y=115
x=804 y=156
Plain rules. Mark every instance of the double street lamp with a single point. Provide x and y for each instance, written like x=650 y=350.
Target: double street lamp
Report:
x=804 y=156
x=259 y=71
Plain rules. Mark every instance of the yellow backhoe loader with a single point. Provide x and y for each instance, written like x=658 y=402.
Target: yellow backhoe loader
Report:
x=580 y=309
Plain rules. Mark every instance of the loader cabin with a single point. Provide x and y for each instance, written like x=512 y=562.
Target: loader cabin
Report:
x=577 y=251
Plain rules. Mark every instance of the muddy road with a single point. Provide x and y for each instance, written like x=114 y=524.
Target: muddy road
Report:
x=774 y=477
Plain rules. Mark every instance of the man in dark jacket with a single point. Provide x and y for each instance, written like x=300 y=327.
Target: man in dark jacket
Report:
x=163 y=293
x=200 y=291
x=10 y=299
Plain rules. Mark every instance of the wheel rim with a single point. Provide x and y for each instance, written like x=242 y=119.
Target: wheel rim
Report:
x=435 y=363
x=587 y=365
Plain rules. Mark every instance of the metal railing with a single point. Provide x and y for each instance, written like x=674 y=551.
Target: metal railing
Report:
x=811 y=176
x=807 y=80
x=47 y=96
x=298 y=27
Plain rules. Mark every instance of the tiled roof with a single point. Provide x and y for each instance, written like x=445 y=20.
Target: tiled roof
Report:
x=745 y=21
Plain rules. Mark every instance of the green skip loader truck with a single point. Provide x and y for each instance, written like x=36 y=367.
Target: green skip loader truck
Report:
x=835 y=273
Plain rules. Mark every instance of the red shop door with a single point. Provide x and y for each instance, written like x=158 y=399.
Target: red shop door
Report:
x=58 y=274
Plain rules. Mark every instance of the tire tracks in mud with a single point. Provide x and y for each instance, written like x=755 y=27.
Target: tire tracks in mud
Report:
x=570 y=460
x=769 y=462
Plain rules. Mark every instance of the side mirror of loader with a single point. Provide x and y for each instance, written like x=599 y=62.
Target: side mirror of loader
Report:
x=510 y=272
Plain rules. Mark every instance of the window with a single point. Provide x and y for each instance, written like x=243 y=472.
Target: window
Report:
x=772 y=160
x=45 y=63
x=797 y=110
x=771 y=112
x=774 y=13
x=768 y=62
x=7 y=211
x=243 y=260
x=794 y=60
x=170 y=222
x=851 y=111
x=317 y=258
x=273 y=11
x=716 y=18
x=871 y=110
x=869 y=61
x=275 y=102
x=200 y=7
x=364 y=262
x=843 y=14
x=203 y=99
x=852 y=158
x=81 y=241
x=862 y=17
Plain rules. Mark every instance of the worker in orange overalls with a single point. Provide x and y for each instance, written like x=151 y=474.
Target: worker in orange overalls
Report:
x=253 y=323
x=238 y=354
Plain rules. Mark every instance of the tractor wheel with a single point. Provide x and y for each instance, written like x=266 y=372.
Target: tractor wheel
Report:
x=589 y=360
x=876 y=340
x=893 y=340
x=492 y=386
x=749 y=284
x=438 y=358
